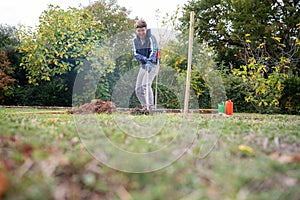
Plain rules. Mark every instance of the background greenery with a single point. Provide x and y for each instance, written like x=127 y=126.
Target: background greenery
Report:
x=254 y=45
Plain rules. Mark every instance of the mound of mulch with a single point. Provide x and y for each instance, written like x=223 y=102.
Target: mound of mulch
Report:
x=96 y=106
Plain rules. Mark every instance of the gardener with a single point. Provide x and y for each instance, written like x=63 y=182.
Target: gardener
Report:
x=144 y=50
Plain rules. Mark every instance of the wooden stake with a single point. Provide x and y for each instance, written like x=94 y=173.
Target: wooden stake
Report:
x=188 y=73
x=156 y=82
x=147 y=90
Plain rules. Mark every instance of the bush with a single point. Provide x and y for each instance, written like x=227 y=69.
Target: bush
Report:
x=291 y=95
x=48 y=93
x=263 y=87
x=236 y=92
x=6 y=81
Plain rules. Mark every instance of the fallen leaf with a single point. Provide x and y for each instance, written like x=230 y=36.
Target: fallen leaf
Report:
x=3 y=183
x=89 y=179
x=265 y=143
x=49 y=165
x=284 y=158
x=8 y=164
x=7 y=140
x=61 y=191
x=74 y=140
x=26 y=149
x=64 y=160
x=245 y=148
x=26 y=166
x=276 y=141
x=123 y=193
x=93 y=166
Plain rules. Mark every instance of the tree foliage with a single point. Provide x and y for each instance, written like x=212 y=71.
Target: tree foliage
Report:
x=9 y=62
x=54 y=52
x=205 y=82
x=113 y=17
x=265 y=77
x=263 y=92
x=6 y=81
x=291 y=95
x=223 y=24
x=60 y=42
x=8 y=37
x=257 y=45
x=64 y=38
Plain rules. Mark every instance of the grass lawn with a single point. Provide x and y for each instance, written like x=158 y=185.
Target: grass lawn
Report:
x=245 y=156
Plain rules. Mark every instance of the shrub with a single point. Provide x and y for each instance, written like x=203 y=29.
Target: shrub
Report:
x=48 y=93
x=6 y=81
x=236 y=92
x=291 y=95
x=263 y=87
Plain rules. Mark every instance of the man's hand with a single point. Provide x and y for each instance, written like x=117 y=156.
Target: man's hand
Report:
x=145 y=59
x=152 y=60
x=148 y=66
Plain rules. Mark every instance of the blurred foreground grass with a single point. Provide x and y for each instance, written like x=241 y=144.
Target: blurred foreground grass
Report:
x=254 y=157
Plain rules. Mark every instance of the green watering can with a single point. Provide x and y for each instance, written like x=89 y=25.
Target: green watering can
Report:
x=221 y=108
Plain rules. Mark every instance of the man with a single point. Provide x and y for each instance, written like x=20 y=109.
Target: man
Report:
x=144 y=50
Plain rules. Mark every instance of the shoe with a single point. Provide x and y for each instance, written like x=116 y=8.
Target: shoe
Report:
x=137 y=111
x=146 y=111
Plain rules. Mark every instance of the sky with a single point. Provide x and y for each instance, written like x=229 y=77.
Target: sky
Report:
x=27 y=12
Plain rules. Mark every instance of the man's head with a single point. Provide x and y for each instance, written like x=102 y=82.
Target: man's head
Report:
x=141 y=28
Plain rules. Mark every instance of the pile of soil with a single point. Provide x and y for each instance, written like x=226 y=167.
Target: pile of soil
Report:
x=96 y=106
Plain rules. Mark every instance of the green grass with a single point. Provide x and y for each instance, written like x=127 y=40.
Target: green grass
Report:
x=43 y=157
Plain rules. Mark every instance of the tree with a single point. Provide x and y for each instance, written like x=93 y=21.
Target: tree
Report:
x=60 y=43
x=212 y=24
x=257 y=43
x=9 y=43
x=118 y=28
x=223 y=24
x=206 y=82
x=113 y=17
x=6 y=81
x=263 y=92
x=65 y=40
x=8 y=37
x=268 y=82
x=9 y=62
